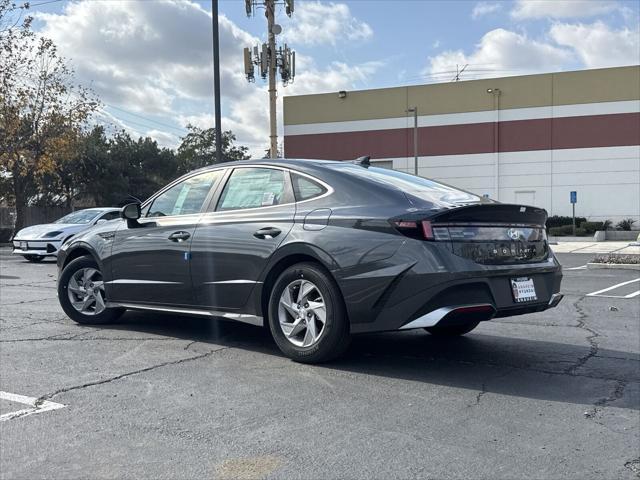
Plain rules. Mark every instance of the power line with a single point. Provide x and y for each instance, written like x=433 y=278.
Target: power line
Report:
x=181 y=129
x=31 y=5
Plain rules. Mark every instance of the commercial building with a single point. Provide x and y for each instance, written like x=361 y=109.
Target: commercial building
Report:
x=530 y=139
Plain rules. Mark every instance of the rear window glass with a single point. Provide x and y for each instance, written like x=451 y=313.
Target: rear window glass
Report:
x=304 y=188
x=417 y=186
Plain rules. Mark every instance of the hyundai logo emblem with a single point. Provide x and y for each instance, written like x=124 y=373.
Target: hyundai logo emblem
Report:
x=514 y=233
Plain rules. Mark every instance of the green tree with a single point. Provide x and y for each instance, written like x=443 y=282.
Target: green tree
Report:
x=198 y=149
x=39 y=106
x=125 y=167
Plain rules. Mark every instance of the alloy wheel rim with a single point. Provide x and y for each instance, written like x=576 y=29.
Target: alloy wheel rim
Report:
x=302 y=313
x=86 y=291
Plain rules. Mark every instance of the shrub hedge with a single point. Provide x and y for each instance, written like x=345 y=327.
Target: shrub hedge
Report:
x=567 y=230
x=559 y=221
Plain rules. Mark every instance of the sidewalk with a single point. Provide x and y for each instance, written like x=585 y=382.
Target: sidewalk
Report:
x=596 y=247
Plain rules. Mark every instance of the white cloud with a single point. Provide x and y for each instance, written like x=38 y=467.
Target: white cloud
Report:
x=318 y=23
x=503 y=52
x=484 y=8
x=154 y=59
x=144 y=56
x=526 y=9
x=164 y=139
x=248 y=116
x=597 y=45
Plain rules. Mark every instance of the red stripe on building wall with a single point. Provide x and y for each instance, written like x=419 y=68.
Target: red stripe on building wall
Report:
x=521 y=135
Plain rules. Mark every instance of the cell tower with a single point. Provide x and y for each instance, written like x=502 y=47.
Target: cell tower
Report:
x=267 y=58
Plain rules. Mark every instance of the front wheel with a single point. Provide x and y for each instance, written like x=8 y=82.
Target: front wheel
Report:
x=307 y=317
x=81 y=293
x=452 y=330
x=34 y=258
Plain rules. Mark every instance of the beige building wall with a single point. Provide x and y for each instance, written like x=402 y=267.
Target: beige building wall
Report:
x=540 y=138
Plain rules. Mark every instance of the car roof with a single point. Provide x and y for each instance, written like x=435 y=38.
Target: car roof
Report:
x=293 y=163
x=98 y=209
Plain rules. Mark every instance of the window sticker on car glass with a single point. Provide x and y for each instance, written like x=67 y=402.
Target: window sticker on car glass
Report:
x=177 y=208
x=267 y=198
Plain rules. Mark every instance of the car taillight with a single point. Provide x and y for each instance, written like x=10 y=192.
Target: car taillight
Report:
x=427 y=230
x=415 y=229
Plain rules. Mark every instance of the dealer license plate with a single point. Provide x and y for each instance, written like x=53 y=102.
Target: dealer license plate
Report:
x=24 y=246
x=523 y=289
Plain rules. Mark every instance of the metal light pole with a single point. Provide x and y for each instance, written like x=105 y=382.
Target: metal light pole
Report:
x=414 y=110
x=216 y=79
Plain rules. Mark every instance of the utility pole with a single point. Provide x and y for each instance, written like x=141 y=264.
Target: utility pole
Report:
x=270 y=5
x=496 y=92
x=268 y=59
x=216 y=79
x=414 y=110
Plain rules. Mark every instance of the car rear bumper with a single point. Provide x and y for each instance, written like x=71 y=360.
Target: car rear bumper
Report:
x=45 y=248
x=427 y=287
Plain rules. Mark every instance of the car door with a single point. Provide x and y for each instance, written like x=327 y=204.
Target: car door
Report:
x=150 y=261
x=252 y=215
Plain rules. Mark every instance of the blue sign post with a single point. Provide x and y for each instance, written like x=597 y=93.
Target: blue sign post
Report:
x=573 y=197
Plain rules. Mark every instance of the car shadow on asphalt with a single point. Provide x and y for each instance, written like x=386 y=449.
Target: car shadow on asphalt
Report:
x=536 y=369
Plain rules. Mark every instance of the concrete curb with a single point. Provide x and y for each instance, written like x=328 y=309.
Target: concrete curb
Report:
x=622 y=266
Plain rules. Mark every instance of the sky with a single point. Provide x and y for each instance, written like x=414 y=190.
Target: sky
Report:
x=150 y=61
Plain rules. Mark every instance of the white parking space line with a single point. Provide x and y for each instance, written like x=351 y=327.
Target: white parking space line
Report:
x=34 y=407
x=583 y=267
x=608 y=289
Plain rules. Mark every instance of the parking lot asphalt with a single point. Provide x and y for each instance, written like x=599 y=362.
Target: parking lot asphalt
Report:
x=548 y=395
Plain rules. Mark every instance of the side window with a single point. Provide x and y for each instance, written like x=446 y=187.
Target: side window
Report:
x=109 y=216
x=304 y=188
x=186 y=197
x=252 y=188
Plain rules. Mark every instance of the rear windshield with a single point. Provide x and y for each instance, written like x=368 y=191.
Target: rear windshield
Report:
x=422 y=188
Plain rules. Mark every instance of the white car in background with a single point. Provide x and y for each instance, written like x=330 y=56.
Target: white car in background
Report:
x=39 y=241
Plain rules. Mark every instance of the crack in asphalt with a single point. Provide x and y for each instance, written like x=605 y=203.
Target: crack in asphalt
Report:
x=634 y=466
x=481 y=393
x=39 y=322
x=74 y=338
x=49 y=396
x=495 y=364
x=593 y=344
x=616 y=394
x=24 y=302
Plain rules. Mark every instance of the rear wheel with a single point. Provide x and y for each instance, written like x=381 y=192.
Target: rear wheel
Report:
x=81 y=293
x=307 y=317
x=34 y=258
x=451 y=330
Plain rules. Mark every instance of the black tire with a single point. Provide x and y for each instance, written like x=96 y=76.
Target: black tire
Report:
x=34 y=258
x=108 y=315
x=451 y=330
x=334 y=338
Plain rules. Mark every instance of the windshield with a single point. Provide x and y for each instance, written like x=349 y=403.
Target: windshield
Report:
x=422 y=188
x=81 y=217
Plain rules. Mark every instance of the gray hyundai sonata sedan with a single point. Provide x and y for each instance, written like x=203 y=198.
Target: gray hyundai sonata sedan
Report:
x=315 y=250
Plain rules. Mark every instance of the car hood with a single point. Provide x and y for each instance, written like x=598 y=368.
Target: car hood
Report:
x=38 y=231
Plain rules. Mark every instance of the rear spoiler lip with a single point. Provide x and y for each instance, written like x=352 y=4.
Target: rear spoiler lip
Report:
x=490 y=213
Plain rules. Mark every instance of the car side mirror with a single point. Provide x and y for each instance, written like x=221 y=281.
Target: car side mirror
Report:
x=131 y=213
x=102 y=220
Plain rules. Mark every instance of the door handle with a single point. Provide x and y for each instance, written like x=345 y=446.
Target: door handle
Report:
x=267 y=232
x=179 y=236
